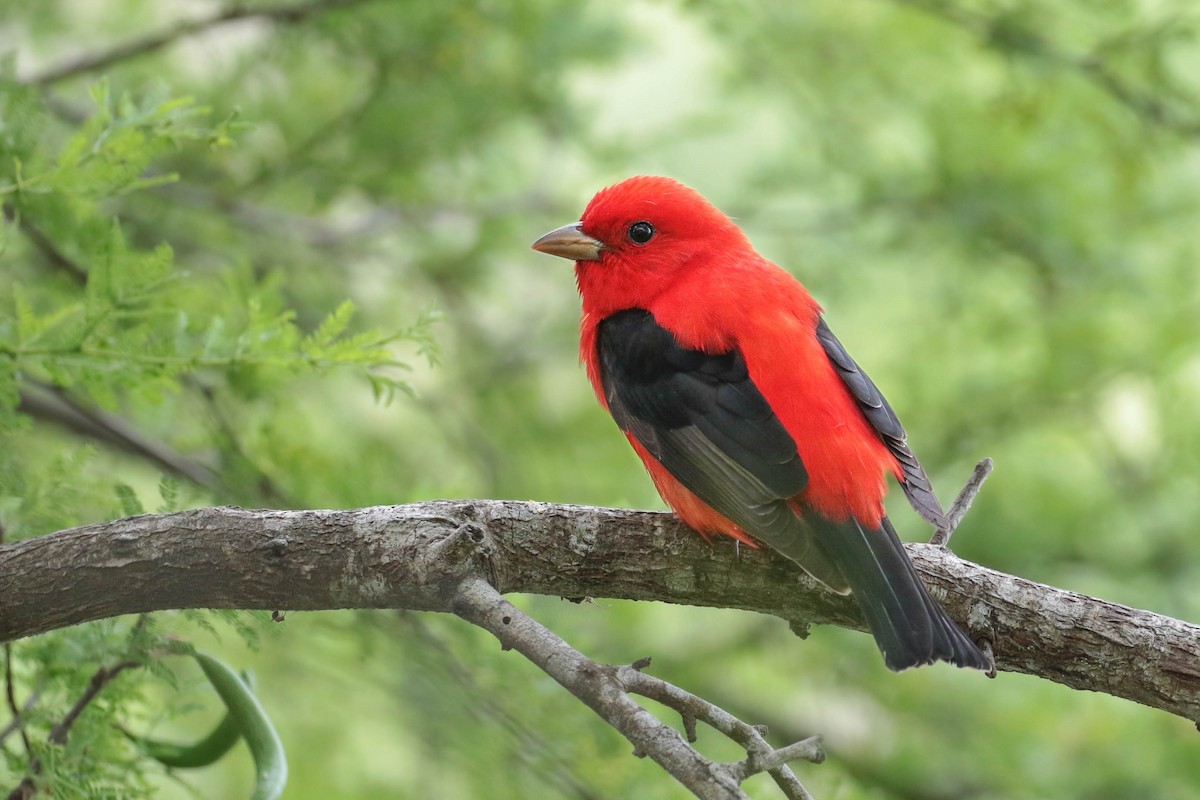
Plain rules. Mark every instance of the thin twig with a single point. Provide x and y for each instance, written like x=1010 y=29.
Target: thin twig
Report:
x=529 y=741
x=25 y=790
x=1001 y=34
x=54 y=405
x=962 y=503
x=138 y=47
x=761 y=756
x=10 y=696
x=102 y=677
x=606 y=690
x=597 y=686
x=46 y=246
x=775 y=762
x=59 y=733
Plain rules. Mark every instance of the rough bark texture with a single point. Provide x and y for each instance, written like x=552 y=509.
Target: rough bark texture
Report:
x=417 y=556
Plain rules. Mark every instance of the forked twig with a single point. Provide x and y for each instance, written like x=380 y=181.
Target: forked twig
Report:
x=607 y=690
x=761 y=757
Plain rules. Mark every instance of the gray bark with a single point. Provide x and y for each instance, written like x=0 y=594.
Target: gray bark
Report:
x=418 y=556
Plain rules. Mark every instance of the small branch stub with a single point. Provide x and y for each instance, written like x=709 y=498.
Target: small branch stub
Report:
x=962 y=503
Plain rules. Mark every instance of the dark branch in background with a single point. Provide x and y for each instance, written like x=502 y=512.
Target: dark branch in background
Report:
x=17 y=723
x=62 y=729
x=57 y=406
x=53 y=404
x=102 y=677
x=1003 y=33
x=46 y=246
x=291 y=14
x=27 y=788
x=416 y=557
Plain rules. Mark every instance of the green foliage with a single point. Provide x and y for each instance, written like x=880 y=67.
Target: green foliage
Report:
x=252 y=723
x=222 y=254
x=116 y=322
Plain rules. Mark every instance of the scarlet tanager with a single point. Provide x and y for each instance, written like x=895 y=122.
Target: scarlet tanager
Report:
x=748 y=413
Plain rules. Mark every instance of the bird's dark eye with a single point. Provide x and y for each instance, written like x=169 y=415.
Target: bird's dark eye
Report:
x=641 y=232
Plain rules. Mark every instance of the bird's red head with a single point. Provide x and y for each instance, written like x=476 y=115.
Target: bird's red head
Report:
x=638 y=237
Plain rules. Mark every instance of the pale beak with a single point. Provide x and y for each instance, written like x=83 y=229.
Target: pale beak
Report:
x=571 y=242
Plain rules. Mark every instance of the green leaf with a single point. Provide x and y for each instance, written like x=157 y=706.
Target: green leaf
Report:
x=270 y=760
x=130 y=505
x=205 y=751
x=168 y=490
x=330 y=329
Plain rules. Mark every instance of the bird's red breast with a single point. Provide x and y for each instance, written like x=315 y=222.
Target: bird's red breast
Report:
x=749 y=414
x=716 y=293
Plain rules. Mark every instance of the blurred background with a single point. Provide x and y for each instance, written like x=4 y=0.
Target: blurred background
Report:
x=996 y=201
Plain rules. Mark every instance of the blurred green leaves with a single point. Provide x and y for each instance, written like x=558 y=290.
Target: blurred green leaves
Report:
x=214 y=241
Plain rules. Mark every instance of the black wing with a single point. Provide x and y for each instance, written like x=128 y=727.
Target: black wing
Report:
x=704 y=420
x=879 y=413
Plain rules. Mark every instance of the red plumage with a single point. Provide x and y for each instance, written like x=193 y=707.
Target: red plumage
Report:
x=710 y=288
x=728 y=378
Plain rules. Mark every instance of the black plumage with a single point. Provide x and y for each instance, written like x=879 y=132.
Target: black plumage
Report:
x=883 y=419
x=702 y=417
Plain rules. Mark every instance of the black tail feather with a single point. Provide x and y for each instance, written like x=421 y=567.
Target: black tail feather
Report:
x=909 y=626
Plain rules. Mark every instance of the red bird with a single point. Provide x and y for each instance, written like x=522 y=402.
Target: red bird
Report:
x=750 y=416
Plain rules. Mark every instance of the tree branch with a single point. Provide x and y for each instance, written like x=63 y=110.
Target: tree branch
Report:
x=606 y=690
x=529 y=745
x=27 y=788
x=101 y=678
x=17 y=723
x=156 y=41
x=46 y=246
x=53 y=404
x=417 y=556
x=1004 y=34
x=761 y=756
